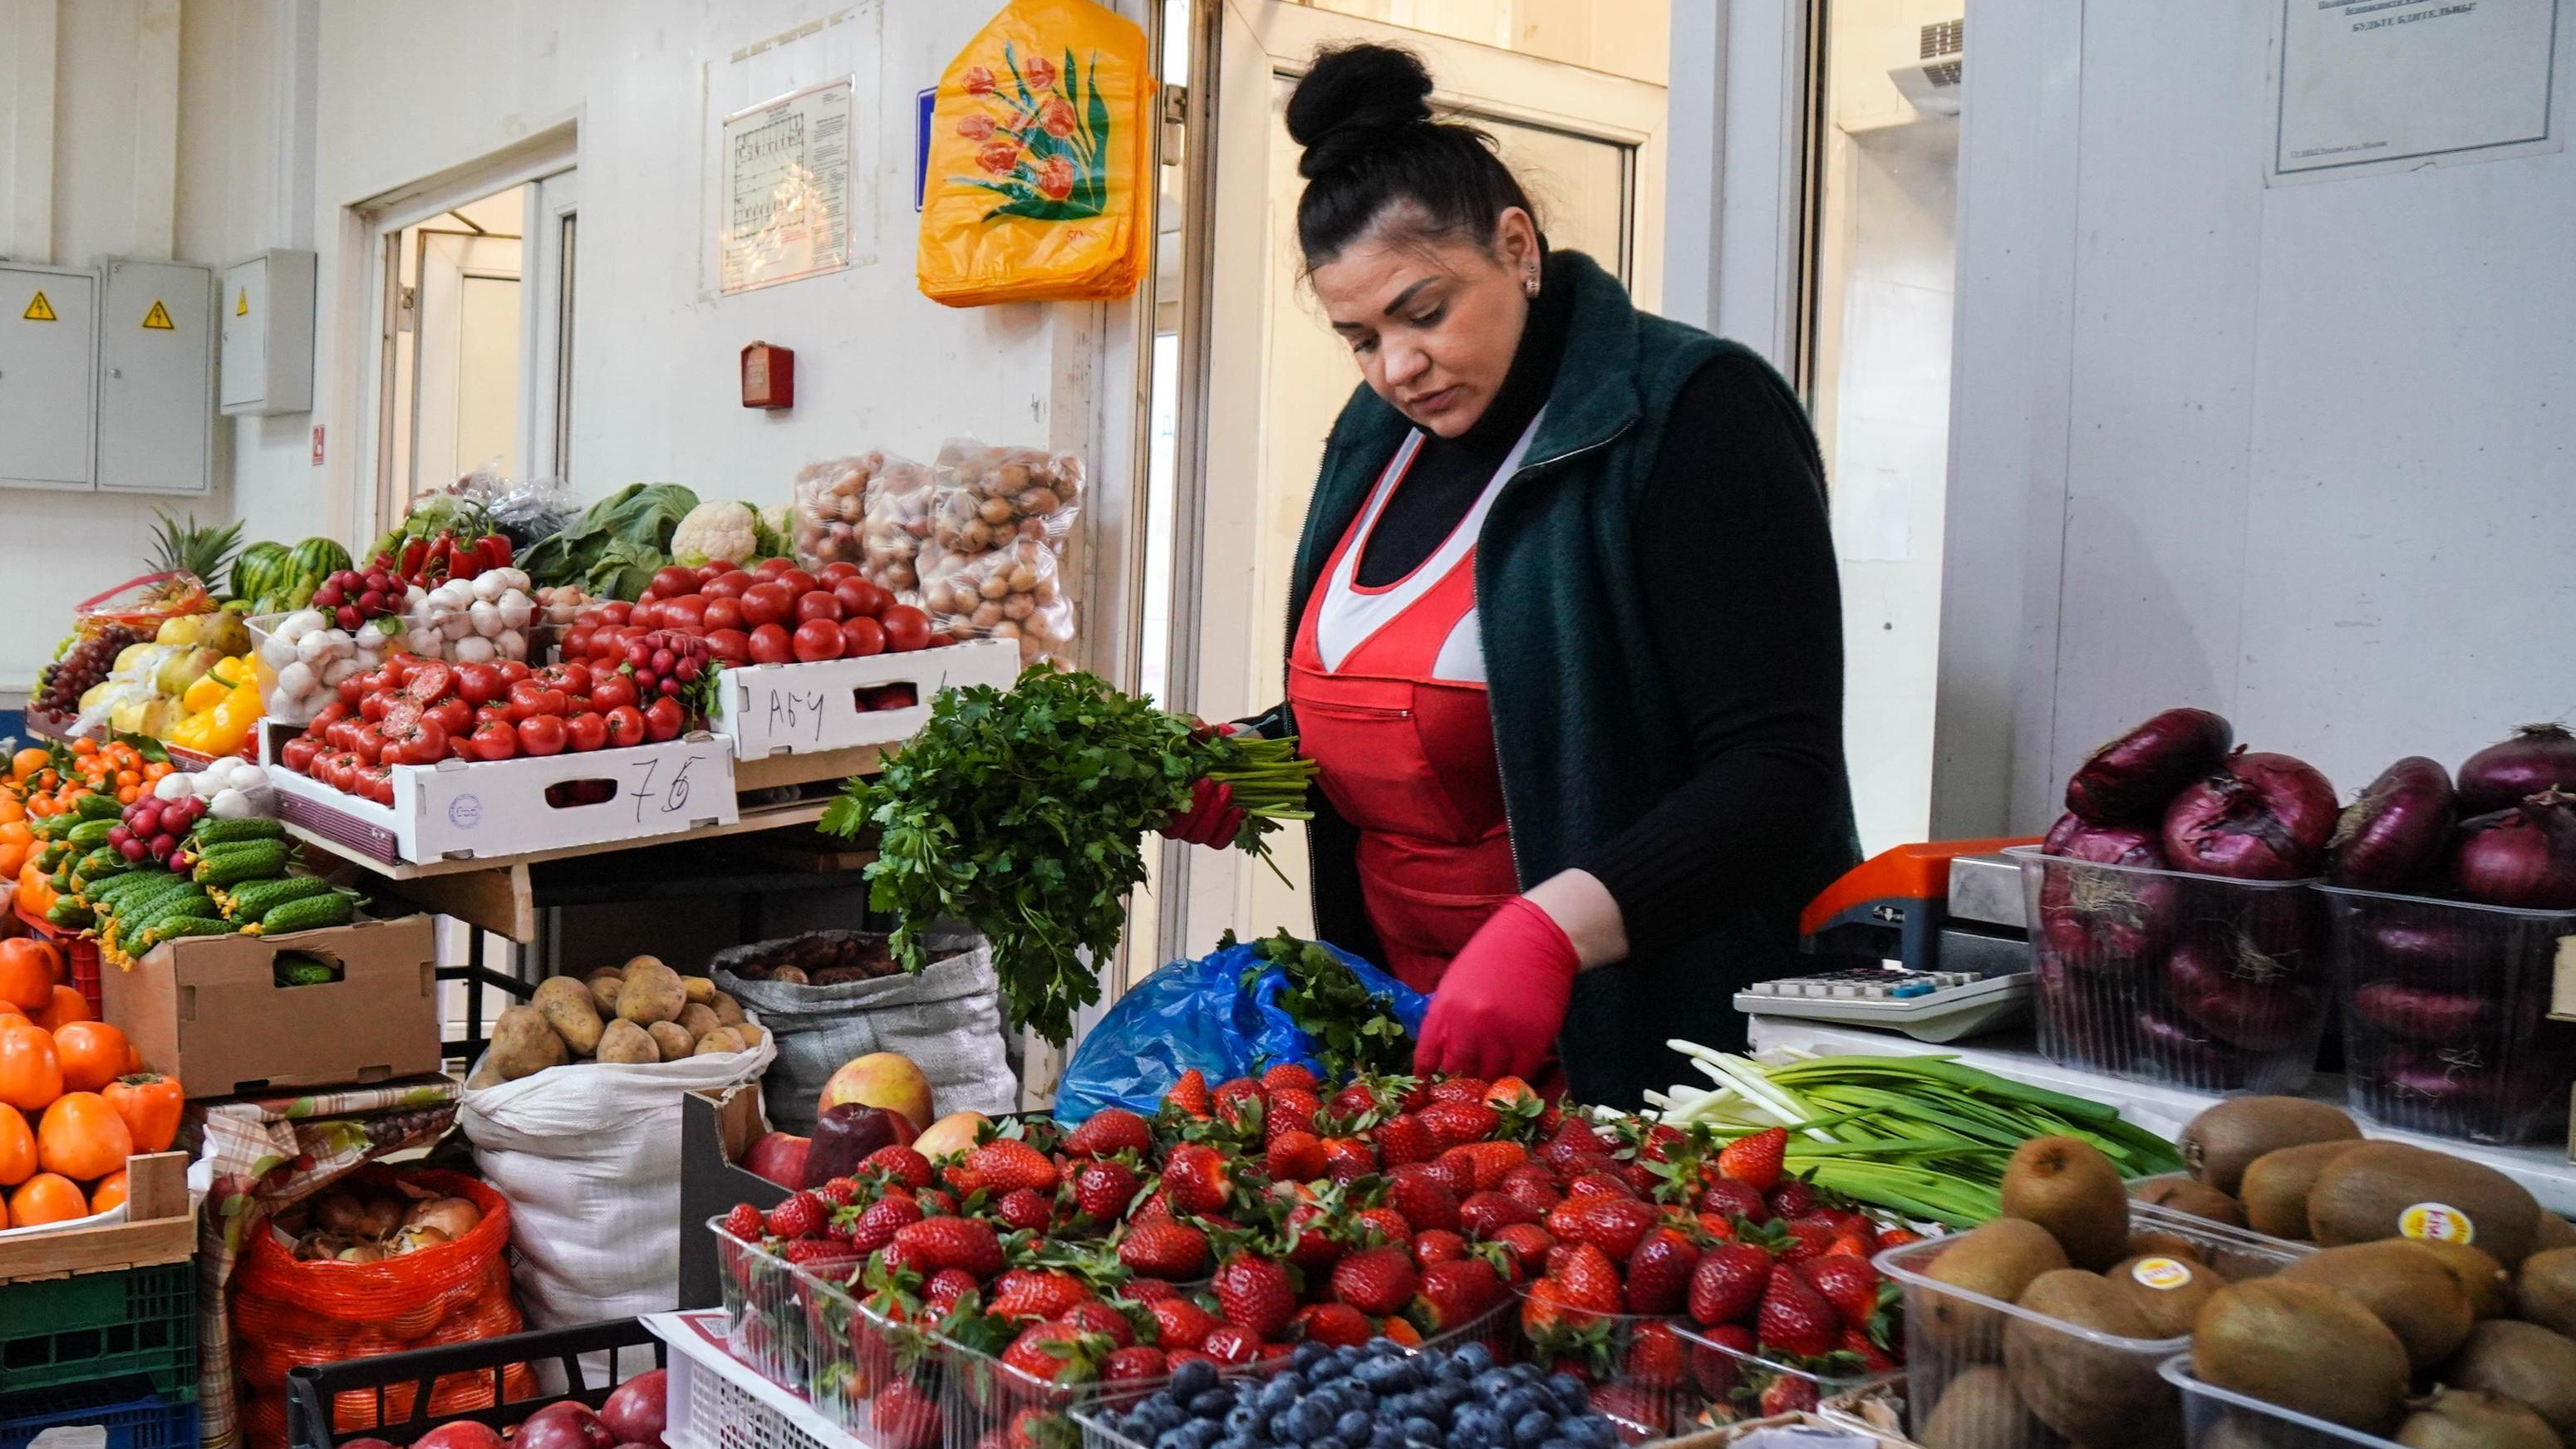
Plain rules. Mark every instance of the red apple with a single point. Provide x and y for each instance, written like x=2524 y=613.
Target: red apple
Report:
x=950 y=1135
x=779 y=1157
x=459 y=1434
x=637 y=1412
x=565 y=1424
x=880 y=1079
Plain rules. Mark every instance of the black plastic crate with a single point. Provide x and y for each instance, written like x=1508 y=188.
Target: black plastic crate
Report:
x=627 y=1348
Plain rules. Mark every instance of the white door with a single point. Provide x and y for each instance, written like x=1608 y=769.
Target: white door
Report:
x=551 y=232
x=1588 y=145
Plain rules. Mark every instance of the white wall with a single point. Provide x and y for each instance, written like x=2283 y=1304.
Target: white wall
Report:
x=2305 y=455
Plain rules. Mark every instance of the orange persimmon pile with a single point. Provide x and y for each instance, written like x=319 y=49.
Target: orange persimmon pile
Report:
x=81 y=1085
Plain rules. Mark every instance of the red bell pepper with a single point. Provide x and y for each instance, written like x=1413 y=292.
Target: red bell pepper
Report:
x=495 y=550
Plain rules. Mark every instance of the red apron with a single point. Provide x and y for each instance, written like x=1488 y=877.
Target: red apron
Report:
x=1388 y=686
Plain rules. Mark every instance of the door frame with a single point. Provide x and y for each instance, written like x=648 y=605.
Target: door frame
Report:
x=550 y=270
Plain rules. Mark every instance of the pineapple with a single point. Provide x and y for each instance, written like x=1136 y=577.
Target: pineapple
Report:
x=188 y=548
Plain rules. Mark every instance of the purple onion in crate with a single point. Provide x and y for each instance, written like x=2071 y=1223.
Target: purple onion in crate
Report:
x=2393 y=835
x=2420 y=1014
x=2239 y=994
x=2131 y=778
x=2186 y=1053
x=2105 y=920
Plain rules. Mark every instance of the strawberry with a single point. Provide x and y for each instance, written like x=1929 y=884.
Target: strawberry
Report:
x=1791 y=1199
x=1458 y=1174
x=1437 y=1245
x=1641 y=1177
x=1850 y=1284
x=1294 y=1156
x=1452 y=1295
x=1482 y=1213
x=1179 y=1323
x=1658 y=1143
x=903 y=1416
x=1807 y=1240
x=1727 y=1285
x=1731 y=1199
x=1659 y=1271
x=1545 y=1309
x=1452 y=1123
x=745 y=1223
x=1854 y=1245
x=1090 y=1315
x=1794 y=1317
x=1195 y=1179
x=1174 y=1358
x=1716 y=1373
x=1147 y=1290
x=1603 y=1181
x=1108 y=1132
x=1460 y=1089
x=1423 y=1199
x=1657 y=1358
x=1103 y=1190
x=876 y=1226
x=1335 y=1325
x=1028 y=1295
x=839 y=1192
x=1511 y=1094
x=1255 y=1294
x=1357 y=1099
x=801 y=1216
x=933 y=1200
x=1755 y=1160
x=1897 y=1237
x=1189 y=1095
x=1376 y=1281
x=966 y=1243
x=1534 y=1188
x=1389 y=1225
x=1026 y=1209
x=820 y=1254
x=1003 y=1166
x=1347 y=1159
x=1048 y=1352
x=1490 y=1161
x=944 y=1289
x=1715 y=1228
x=1591 y=1280
x=1291 y=1109
x=1787 y=1394
x=1527 y=1243
x=1233 y=1096
x=1651 y=1414
x=1293 y=1076
x=1615 y=1225
x=1134 y=1364
x=1402 y=1138
x=1310 y=1243
x=1230 y=1343
x=1170 y=1251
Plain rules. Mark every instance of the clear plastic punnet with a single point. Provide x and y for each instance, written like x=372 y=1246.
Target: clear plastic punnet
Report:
x=2216 y=1418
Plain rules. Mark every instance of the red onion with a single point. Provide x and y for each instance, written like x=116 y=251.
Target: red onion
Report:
x=2263 y=817
x=2436 y=952
x=2523 y=857
x=2422 y=1015
x=2132 y=777
x=2393 y=835
x=2104 y=920
x=2184 y=1052
x=2240 y=995
x=2538 y=757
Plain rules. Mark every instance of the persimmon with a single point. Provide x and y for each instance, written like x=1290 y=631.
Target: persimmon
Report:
x=29 y=968
x=92 y=1054
x=47 y=1197
x=81 y=1137
x=68 y=1006
x=17 y=1148
x=150 y=1103
x=109 y=1193
x=31 y=1076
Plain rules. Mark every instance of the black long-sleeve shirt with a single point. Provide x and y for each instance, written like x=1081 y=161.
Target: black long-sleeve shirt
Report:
x=1736 y=554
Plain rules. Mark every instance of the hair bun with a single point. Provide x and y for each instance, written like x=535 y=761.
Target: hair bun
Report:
x=1352 y=101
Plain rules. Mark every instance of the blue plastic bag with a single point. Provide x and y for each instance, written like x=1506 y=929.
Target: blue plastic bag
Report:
x=1197 y=1014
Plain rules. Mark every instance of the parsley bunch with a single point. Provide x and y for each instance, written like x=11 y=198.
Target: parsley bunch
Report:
x=1355 y=1030
x=1020 y=812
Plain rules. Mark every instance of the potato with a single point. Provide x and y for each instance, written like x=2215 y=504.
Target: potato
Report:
x=486 y=1075
x=566 y=1005
x=671 y=1039
x=652 y=993
x=595 y=972
x=750 y=1033
x=524 y=1045
x=699 y=1020
x=728 y=1010
x=722 y=1039
x=701 y=989
x=624 y=1041
x=789 y=976
x=603 y=994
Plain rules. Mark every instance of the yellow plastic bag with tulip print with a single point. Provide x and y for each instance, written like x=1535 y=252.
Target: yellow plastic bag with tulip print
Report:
x=1040 y=148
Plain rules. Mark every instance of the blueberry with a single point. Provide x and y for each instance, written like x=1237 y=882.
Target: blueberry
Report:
x=1352 y=1427
x=1308 y=1355
x=1379 y=1374
x=1346 y=1355
x=1477 y=1357
x=1516 y=1402
x=1308 y=1422
x=1387 y=1435
x=1569 y=1394
x=1329 y=1441
x=1275 y=1396
x=1532 y=1429
x=1525 y=1373
x=1591 y=1431
x=1242 y=1419
x=1383 y=1347
x=1192 y=1379
x=1358 y=1397
x=1491 y=1384
x=1451 y=1395
x=1203 y=1433
x=1234 y=1441
x=1560 y=1444
x=1419 y=1430
x=1477 y=1426
x=1209 y=1403
x=1172 y=1438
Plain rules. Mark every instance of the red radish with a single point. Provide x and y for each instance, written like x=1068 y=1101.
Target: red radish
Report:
x=636 y=1412
x=2392 y=836
x=2538 y=757
x=2131 y=778
x=2262 y=817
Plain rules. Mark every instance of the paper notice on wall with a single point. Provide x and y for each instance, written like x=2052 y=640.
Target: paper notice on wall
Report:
x=2372 y=85
x=786 y=193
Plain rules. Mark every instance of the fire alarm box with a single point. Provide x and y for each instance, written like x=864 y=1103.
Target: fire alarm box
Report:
x=768 y=376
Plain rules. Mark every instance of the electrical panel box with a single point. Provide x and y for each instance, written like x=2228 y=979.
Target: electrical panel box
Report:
x=48 y=362
x=156 y=377
x=266 y=309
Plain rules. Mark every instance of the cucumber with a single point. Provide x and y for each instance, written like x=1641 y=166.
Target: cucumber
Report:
x=90 y=832
x=253 y=902
x=309 y=914
x=211 y=833
x=247 y=861
x=97 y=806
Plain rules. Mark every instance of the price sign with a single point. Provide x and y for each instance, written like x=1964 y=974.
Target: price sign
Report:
x=661 y=787
x=795 y=714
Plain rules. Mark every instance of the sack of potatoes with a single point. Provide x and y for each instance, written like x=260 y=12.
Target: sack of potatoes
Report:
x=633 y=1014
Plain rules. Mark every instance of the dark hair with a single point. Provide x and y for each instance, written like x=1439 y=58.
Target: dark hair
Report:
x=1363 y=114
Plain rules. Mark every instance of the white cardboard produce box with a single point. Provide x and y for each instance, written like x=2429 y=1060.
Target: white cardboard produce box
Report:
x=458 y=809
x=794 y=709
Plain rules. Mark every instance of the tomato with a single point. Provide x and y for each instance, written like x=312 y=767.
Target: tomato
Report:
x=663 y=720
x=512 y=671
x=799 y=582
x=671 y=581
x=453 y=715
x=906 y=628
x=430 y=682
x=833 y=573
x=92 y=1054
x=576 y=640
x=372 y=707
x=709 y=570
x=684 y=613
x=379 y=785
x=647 y=614
x=625 y=726
x=767 y=603
x=572 y=676
x=820 y=604
x=614 y=612
x=856 y=595
x=770 y=568
x=369 y=746
x=494 y=739
x=817 y=639
x=331 y=714
x=723 y=614
x=586 y=731
x=427 y=746
x=861 y=637
x=727 y=586
x=892 y=696
x=770 y=645
x=531 y=697
x=541 y=734
x=297 y=754
x=611 y=690
x=479 y=683
x=730 y=645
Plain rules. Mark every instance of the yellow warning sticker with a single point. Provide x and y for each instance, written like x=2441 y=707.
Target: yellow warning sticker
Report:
x=159 y=318
x=39 y=310
x=241 y=304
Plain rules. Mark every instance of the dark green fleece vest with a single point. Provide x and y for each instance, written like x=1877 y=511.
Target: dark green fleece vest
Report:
x=1585 y=728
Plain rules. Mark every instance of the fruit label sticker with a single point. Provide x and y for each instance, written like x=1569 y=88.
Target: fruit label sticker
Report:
x=2162 y=1274
x=39 y=310
x=2437 y=1223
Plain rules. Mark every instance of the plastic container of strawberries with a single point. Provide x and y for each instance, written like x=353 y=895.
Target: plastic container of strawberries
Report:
x=1636 y=1366
x=1736 y=1384
x=767 y=1325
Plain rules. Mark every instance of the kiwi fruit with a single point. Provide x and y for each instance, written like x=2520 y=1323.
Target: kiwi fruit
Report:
x=2304 y=1347
x=2523 y=1362
x=2071 y=1189
x=1996 y=1261
x=2467 y=1419
x=2082 y=1389
x=2184 y=1195
x=1977 y=1411
x=2166 y=1245
x=2219 y=1144
x=2553 y=1231
x=2166 y=1291
x=2403 y=1286
x=2275 y=1187
x=2544 y=1290
x=2362 y=1195
x=2479 y=1276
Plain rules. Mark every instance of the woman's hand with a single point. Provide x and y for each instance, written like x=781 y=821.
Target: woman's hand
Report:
x=1502 y=1001
x=1212 y=820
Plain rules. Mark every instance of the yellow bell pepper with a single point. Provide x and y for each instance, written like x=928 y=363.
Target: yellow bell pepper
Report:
x=224 y=727
x=209 y=691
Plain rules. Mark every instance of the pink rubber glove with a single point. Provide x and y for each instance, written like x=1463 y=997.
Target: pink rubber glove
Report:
x=1212 y=820
x=1499 y=1005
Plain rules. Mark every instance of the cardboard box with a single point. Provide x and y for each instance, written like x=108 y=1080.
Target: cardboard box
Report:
x=480 y=810
x=160 y=1227
x=782 y=709
x=716 y=1129
x=208 y=1009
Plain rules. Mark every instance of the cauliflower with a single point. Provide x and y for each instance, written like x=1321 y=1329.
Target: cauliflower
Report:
x=716 y=530
x=775 y=541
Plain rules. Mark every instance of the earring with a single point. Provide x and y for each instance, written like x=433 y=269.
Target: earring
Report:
x=1530 y=283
